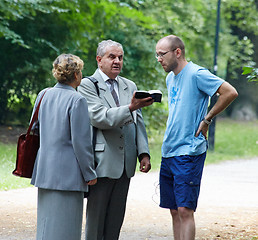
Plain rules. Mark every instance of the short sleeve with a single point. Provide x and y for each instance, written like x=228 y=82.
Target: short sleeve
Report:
x=208 y=82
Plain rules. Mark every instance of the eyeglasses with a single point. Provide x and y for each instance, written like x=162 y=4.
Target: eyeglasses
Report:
x=161 y=55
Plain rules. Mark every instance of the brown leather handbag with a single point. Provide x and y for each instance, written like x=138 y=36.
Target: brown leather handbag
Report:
x=27 y=149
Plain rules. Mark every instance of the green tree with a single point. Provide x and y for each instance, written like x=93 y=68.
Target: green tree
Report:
x=23 y=52
x=242 y=20
x=41 y=33
x=34 y=32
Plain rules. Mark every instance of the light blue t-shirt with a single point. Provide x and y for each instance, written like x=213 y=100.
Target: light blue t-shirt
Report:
x=188 y=97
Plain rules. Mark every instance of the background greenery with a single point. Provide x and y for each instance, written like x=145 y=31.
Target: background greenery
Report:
x=234 y=140
x=34 y=32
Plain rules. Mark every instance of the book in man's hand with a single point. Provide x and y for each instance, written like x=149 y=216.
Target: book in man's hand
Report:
x=155 y=94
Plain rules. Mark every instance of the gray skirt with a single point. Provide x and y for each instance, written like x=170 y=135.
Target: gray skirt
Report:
x=59 y=215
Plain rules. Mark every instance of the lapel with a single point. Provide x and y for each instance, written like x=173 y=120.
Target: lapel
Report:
x=124 y=94
x=104 y=89
x=124 y=97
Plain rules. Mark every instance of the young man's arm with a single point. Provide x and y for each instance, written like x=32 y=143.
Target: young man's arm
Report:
x=227 y=95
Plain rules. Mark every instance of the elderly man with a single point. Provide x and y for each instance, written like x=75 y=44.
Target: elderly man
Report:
x=185 y=145
x=120 y=138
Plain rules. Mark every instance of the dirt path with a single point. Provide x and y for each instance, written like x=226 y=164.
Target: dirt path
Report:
x=228 y=207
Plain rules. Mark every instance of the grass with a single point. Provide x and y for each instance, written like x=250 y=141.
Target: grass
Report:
x=7 y=165
x=233 y=140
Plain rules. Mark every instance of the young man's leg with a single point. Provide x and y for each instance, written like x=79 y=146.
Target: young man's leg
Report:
x=167 y=198
x=183 y=223
x=176 y=224
x=179 y=189
x=187 y=180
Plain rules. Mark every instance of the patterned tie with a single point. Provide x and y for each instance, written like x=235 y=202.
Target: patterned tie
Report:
x=113 y=92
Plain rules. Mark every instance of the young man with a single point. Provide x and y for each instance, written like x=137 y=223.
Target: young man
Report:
x=185 y=141
x=121 y=138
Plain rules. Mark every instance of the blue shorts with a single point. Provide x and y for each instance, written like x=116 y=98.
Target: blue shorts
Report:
x=179 y=180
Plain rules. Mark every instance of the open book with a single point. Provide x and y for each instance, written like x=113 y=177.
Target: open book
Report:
x=155 y=94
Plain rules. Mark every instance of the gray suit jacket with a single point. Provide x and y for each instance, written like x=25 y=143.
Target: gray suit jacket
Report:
x=121 y=136
x=65 y=157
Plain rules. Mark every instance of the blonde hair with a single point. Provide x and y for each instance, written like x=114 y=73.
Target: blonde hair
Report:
x=65 y=66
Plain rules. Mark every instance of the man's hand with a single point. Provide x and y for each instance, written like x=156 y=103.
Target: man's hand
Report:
x=203 y=127
x=145 y=164
x=139 y=103
x=92 y=182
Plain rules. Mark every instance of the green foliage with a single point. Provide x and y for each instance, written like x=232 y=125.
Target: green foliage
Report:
x=242 y=54
x=25 y=64
x=241 y=14
x=34 y=32
x=252 y=73
x=242 y=18
x=12 y=10
x=63 y=26
x=155 y=116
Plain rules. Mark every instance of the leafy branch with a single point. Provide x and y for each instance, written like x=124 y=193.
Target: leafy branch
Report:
x=252 y=74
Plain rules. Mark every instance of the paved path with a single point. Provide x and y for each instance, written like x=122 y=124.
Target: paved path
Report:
x=228 y=206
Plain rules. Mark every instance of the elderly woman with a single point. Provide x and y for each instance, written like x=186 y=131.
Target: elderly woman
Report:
x=64 y=165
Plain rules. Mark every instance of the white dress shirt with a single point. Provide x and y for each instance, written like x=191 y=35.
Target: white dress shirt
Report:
x=106 y=78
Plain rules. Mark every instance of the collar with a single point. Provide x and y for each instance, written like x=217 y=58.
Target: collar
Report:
x=65 y=86
x=105 y=77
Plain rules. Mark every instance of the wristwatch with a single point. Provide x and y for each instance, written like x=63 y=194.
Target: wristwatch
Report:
x=207 y=121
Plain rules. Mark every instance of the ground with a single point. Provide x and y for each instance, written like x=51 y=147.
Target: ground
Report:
x=228 y=206
x=10 y=134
